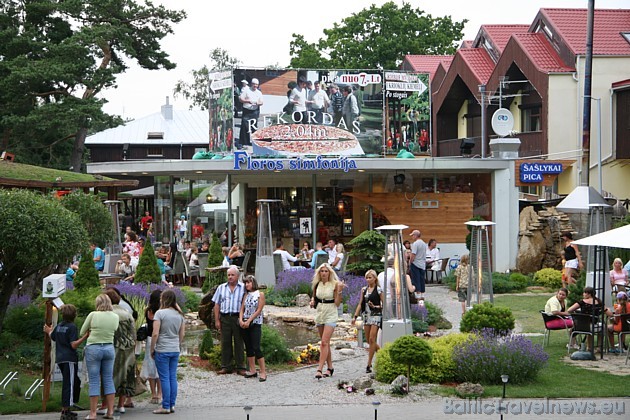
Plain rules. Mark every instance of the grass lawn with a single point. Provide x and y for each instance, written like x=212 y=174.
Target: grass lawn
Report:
x=29 y=172
x=558 y=379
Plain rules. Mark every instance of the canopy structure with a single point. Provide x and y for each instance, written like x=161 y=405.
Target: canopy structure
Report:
x=614 y=238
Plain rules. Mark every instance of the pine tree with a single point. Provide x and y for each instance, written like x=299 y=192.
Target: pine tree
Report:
x=215 y=254
x=87 y=275
x=148 y=270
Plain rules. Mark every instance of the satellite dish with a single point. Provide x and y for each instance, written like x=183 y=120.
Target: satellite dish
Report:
x=502 y=122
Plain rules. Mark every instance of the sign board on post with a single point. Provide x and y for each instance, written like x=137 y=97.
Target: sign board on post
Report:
x=54 y=285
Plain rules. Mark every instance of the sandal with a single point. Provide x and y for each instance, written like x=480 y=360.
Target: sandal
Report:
x=318 y=375
x=129 y=405
x=329 y=372
x=108 y=416
x=262 y=379
x=155 y=400
x=162 y=411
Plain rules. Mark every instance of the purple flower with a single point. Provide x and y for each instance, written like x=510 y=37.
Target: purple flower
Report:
x=16 y=300
x=144 y=291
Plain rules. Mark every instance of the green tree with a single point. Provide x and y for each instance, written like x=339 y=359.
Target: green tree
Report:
x=94 y=215
x=378 y=37
x=197 y=91
x=410 y=350
x=58 y=56
x=367 y=250
x=148 y=270
x=36 y=232
x=87 y=275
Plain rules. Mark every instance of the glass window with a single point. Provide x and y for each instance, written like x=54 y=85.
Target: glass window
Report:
x=531 y=120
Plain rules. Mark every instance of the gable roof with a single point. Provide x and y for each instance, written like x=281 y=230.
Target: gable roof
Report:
x=570 y=25
x=544 y=57
x=186 y=127
x=499 y=34
x=479 y=62
x=428 y=63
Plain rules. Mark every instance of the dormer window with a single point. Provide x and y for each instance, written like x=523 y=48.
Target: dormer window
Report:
x=155 y=135
x=626 y=36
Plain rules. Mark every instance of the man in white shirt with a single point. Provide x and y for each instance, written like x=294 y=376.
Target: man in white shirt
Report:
x=252 y=99
x=298 y=97
x=126 y=266
x=286 y=257
x=319 y=101
x=418 y=260
x=331 y=248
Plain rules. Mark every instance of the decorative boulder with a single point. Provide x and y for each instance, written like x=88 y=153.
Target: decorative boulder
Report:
x=400 y=381
x=206 y=306
x=467 y=390
x=302 y=300
x=363 y=382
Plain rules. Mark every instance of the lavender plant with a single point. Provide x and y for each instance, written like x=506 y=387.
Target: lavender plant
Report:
x=486 y=355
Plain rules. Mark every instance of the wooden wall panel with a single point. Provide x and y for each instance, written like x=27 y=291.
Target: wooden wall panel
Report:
x=445 y=224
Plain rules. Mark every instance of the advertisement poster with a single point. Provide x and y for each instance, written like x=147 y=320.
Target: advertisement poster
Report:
x=220 y=109
x=285 y=112
x=408 y=117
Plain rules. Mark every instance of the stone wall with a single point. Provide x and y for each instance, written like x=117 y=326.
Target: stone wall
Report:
x=539 y=242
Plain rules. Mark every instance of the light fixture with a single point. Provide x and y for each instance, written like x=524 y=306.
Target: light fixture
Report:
x=504 y=379
x=257 y=212
x=145 y=173
x=466 y=146
x=375 y=404
x=361 y=170
x=399 y=179
x=198 y=172
x=341 y=205
x=248 y=409
x=209 y=198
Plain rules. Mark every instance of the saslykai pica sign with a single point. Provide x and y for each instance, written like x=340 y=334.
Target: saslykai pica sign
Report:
x=534 y=172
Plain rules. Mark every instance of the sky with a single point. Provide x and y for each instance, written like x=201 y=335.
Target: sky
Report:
x=258 y=33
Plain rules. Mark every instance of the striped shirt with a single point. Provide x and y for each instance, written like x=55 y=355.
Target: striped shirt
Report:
x=229 y=301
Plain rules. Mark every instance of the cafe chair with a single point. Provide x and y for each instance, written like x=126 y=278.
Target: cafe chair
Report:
x=625 y=330
x=203 y=264
x=436 y=275
x=243 y=267
x=178 y=266
x=320 y=259
x=582 y=326
x=277 y=264
x=552 y=324
x=191 y=273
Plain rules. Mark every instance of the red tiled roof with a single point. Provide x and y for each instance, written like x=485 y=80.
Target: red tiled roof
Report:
x=607 y=40
x=428 y=63
x=467 y=43
x=479 y=62
x=500 y=34
x=541 y=53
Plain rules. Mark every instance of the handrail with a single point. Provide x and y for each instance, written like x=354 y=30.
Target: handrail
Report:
x=39 y=383
x=11 y=376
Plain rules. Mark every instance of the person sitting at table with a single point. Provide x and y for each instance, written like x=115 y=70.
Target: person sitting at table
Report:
x=226 y=261
x=319 y=250
x=339 y=256
x=286 y=257
x=433 y=255
x=589 y=305
x=622 y=307
x=618 y=276
x=127 y=267
x=306 y=251
x=236 y=254
x=557 y=305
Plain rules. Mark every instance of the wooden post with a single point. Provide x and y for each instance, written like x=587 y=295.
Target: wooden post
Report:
x=47 y=361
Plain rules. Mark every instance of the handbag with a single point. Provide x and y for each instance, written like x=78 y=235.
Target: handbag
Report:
x=142 y=333
x=141 y=386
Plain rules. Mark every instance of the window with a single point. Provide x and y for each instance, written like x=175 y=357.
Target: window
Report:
x=626 y=36
x=155 y=135
x=531 y=120
x=154 y=152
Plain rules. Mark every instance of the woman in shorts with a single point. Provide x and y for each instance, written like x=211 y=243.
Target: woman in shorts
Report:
x=371 y=306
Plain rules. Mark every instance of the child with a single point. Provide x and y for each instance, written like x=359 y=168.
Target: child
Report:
x=461 y=276
x=65 y=335
x=226 y=261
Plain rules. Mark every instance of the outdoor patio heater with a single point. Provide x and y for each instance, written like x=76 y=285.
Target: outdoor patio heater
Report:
x=396 y=309
x=113 y=248
x=480 y=280
x=265 y=273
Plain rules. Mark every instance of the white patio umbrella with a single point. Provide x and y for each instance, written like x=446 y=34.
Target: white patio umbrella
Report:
x=614 y=238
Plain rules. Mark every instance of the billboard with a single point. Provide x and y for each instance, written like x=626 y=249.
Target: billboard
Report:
x=288 y=112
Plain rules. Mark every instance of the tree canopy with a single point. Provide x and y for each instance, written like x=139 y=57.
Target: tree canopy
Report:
x=378 y=37
x=35 y=233
x=57 y=56
x=94 y=215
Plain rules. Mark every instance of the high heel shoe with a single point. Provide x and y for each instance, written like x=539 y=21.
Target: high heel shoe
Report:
x=329 y=372
x=318 y=375
x=368 y=369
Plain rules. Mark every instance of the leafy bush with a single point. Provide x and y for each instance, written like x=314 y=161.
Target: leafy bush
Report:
x=442 y=367
x=148 y=270
x=83 y=299
x=215 y=253
x=486 y=315
x=450 y=280
x=26 y=322
x=209 y=351
x=143 y=292
x=576 y=290
x=293 y=282
x=410 y=350
x=213 y=279
x=548 y=277
x=485 y=356
x=367 y=249
x=93 y=214
x=87 y=274
x=192 y=300
x=521 y=279
x=274 y=347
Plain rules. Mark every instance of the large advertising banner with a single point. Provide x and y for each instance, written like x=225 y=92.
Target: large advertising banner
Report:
x=308 y=112
x=220 y=109
x=408 y=117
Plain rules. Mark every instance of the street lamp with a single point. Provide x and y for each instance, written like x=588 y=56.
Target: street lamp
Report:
x=504 y=379
x=248 y=409
x=376 y=404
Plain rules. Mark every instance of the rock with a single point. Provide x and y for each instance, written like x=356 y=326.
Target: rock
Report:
x=363 y=382
x=302 y=300
x=347 y=352
x=206 y=306
x=530 y=252
x=291 y=319
x=342 y=345
x=401 y=380
x=468 y=389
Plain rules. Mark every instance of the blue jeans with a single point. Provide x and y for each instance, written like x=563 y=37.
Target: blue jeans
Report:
x=417 y=278
x=166 y=364
x=100 y=365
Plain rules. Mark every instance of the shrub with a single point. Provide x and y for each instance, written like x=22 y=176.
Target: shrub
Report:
x=274 y=347
x=148 y=270
x=215 y=253
x=410 y=350
x=83 y=299
x=521 y=279
x=575 y=290
x=213 y=279
x=143 y=292
x=93 y=214
x=87 y=274
x=548 y=277
x=192 y=300
x=293 y=282
x=209 y=351
x=26 y=322
x=485 y=356
x=486 y=315
x=367 y=249
x=442 y=367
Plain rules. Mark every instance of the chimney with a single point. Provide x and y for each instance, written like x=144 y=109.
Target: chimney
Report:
x=167 y=111
x=505 y=147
